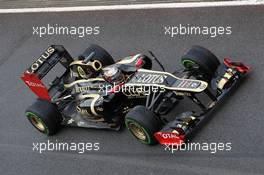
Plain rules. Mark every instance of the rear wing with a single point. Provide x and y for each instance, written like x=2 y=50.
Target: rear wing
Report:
x=39 y=69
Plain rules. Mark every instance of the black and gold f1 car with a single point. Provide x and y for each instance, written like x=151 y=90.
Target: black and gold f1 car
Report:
x=96 y=92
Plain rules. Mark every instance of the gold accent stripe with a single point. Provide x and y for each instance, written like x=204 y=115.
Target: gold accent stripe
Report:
x=127 y=61
x=95 y=98
x=82 y=81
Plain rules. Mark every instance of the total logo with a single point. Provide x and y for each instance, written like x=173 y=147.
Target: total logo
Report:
x=40 y=60
x=34 y=84
x=169 y=135
x=169 y=138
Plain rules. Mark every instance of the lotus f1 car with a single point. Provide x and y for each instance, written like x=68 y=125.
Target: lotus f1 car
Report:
x=96 y=92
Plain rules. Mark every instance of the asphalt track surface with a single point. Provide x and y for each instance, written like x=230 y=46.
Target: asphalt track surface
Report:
x=239 y=120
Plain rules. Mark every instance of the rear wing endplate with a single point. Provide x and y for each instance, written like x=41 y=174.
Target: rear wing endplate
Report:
x=39 y=69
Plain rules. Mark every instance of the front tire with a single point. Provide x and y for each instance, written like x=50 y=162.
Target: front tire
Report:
x=143 y=124
x=201 y=58
x=44 y=116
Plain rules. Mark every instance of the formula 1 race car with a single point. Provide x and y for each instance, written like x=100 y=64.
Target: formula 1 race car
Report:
x=96 y=92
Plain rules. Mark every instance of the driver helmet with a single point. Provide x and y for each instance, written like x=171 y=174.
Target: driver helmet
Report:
x=113 y=75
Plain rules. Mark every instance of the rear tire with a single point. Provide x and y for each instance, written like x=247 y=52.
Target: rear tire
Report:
x=100 y=54
x=143 y=124
x=44 y=116
x=201 y=58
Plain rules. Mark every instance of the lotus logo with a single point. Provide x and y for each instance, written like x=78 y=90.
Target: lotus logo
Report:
x=81 y=72
x=40 y=60
x=151 y=78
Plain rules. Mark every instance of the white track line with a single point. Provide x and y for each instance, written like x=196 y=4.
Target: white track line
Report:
x=135 y=6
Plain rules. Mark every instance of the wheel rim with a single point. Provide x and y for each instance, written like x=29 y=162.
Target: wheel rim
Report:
x=36 y=122
x=137 y=131
x=188 y=63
